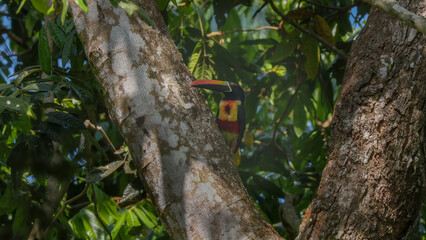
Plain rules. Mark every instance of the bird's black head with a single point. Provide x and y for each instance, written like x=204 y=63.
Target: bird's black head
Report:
x=237 y=93
x=231 y=90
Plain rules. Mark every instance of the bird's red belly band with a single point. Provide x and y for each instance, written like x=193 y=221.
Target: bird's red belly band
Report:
x=228 y=126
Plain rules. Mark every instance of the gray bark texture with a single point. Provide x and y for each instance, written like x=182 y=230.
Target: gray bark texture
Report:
x=374 y=182
x=182 y=159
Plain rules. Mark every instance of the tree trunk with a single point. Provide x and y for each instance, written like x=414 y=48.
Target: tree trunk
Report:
x=182 y=159
x=374 y=182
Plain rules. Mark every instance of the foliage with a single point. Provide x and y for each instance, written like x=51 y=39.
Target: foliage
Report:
x=49 y=97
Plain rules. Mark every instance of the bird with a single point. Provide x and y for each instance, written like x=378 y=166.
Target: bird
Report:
x=230 y=117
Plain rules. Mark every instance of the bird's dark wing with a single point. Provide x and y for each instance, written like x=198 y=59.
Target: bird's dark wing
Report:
x=241 y=123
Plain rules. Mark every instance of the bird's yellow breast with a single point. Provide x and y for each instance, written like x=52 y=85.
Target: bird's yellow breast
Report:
x=229 y=110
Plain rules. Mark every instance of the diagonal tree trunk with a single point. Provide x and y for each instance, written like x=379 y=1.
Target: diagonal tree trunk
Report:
x=374 y=182
x=182 y=159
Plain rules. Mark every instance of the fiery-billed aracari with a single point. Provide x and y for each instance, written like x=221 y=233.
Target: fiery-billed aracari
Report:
x=231 y=117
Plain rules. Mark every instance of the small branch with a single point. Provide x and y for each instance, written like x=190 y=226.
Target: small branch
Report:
x=88 y=124
x=78 y=196
x=14 y=37
x=212 y=34
x=394 y=9
x=289 y=216
x=97 y=213
x=17 y=54
x=199 y=20
x=326 y=44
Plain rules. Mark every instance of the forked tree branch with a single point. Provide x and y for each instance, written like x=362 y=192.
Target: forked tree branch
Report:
x=394 y=9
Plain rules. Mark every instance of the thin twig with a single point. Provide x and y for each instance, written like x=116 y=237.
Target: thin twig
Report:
x=69 y=201
x=97 y=213
x=212 y=34
x=199 y=20
x=326 y=44
x=88 y=124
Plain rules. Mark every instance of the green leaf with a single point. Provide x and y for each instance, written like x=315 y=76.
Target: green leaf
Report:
x=66 y=51
x=25 y=73
x=221 y=11
x=64 y=11
x=81 y=89
x=30 y=22
x=8 y=201
x=57 y=34
x=44 y=52
x=284 y=49
x=65 y=120
x=162 y=4
x=37 y=87
x=299 y=118
x=233 y=21
x=68 y=26
x=118 y=225
x=20 y=221
x=92 y=228
x=205 y=68
x=41 y=6
x=283 y=106
x=201 y=65
x=106 y=206
x=81 y=4
x=147 y=221
x=5 y=86
x=14 y=104
x=251 y=104
x=76 y=223
x=132 y=219
x=312 y=53
x=102 y=172
x=323 y=29
x=193 y=61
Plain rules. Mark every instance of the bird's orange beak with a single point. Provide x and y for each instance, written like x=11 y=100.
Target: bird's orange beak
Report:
x=215 y=85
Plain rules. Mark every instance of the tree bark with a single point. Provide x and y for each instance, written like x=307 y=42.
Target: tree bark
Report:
x=374 y=182
x=182 y=159
x=393 y=8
